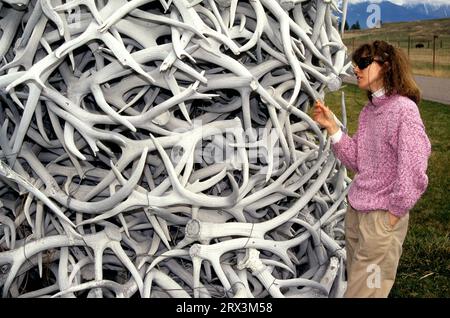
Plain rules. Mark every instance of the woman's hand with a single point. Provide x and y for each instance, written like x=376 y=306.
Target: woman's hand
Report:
x=324 y=116
x=393 y=219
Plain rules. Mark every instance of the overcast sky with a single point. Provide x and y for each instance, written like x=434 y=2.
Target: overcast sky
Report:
x=400 y=2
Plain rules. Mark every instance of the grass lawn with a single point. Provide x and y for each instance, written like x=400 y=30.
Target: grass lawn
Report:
x=424 y=269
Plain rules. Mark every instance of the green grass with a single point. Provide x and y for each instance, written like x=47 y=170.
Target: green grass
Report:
x=426 y=69
x=399 y=31
x=424 y=269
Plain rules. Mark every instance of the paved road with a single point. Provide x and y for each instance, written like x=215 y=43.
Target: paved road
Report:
x=433 y=88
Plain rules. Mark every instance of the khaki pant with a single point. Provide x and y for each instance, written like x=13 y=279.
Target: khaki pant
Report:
x=373 y=249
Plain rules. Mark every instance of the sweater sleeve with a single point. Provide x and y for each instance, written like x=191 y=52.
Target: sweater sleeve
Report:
x=413 y=152
x=346 y=150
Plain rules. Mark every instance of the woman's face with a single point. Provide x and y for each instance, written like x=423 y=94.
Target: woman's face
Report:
x=369 y=78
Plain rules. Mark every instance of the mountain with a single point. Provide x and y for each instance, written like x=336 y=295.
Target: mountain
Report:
x=391 y=12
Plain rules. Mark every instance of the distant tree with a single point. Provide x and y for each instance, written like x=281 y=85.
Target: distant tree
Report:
x=346 y=27
x=355 y=26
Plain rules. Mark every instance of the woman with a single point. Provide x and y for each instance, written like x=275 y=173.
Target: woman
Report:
x=389 y=153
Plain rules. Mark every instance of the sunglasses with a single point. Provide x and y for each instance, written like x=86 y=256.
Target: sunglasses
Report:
x=363 y=62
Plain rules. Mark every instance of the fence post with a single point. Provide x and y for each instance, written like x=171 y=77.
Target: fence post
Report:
x=434 y=52
x=409 y=44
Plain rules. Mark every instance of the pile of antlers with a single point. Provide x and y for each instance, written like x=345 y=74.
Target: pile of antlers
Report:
x=164 y=148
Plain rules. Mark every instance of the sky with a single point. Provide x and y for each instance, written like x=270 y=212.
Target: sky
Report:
x=401 y=2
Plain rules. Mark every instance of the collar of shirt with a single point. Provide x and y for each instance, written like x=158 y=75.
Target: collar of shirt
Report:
x=379 y=92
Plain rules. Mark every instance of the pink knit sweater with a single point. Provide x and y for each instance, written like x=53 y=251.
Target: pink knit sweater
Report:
x=389 y=152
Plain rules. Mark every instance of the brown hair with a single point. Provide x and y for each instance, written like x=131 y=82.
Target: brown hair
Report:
x=396 y=70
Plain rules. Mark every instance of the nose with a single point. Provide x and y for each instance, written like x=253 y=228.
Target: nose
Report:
x=356 y=70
